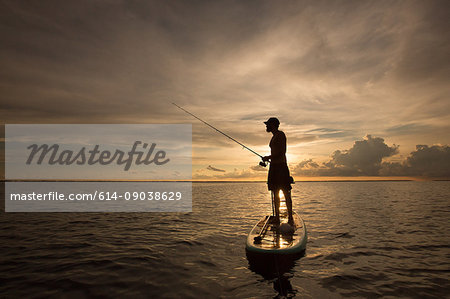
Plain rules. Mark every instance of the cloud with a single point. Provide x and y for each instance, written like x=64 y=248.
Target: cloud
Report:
x=258 y=168
x=429 y=161
x=425 y=161
x=365 y=158
x=214 y=169
x=421 y=57
x=308 y=164
x=408 y=129
x=344 y=68
x=236 y=174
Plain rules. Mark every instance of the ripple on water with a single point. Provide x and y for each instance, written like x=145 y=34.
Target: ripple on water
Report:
x=369 y=239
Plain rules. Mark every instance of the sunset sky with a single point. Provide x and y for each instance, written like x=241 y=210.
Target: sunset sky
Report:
x=367 y=78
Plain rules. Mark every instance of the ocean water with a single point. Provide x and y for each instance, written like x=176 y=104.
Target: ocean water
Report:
x=365 y=239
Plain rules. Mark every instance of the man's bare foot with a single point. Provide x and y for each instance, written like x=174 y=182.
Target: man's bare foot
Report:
x=276 y=220
x=291 y=221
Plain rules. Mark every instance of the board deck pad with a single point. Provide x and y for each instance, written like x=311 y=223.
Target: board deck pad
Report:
x=273 y=240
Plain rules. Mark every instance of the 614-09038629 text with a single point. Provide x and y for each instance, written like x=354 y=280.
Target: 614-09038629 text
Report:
x=98 y=195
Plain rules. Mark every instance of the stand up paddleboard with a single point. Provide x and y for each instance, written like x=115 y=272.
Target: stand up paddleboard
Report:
x=270 y=237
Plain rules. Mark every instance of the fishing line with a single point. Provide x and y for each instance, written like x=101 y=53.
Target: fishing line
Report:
x=226 y=135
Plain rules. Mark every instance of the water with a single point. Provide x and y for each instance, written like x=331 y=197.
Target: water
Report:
x=366 y=239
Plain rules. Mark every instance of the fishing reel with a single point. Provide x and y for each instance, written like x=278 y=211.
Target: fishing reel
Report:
x=263 y=164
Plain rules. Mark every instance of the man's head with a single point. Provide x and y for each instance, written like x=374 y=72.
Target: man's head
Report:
x=272 y=124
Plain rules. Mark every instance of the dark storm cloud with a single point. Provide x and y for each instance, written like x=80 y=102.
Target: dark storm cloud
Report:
x=429 y=161
x=365 y=158
x=425 y=161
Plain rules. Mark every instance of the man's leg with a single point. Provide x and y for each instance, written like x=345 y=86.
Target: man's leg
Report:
x=276 y=201
x=287 y=196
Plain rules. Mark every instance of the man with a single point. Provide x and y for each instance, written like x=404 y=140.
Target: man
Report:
x=279 y=177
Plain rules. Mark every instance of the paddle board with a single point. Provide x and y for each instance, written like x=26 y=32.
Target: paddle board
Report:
x=272 y=238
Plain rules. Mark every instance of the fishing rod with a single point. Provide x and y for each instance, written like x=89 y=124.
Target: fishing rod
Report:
x=262 y=163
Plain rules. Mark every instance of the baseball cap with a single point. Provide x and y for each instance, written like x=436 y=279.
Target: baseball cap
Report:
x=272 y=120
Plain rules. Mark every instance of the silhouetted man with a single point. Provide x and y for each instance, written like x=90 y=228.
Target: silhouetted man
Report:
x=279 y=177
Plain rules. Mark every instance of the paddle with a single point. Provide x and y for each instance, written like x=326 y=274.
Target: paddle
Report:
x=258 y=238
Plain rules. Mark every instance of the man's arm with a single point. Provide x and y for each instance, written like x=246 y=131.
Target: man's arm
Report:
x=278 y=149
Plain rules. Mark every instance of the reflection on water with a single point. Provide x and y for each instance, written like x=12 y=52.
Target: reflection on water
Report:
x=276 y=268
x=366 y=239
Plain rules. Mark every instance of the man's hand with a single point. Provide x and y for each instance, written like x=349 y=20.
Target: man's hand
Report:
x=266 y=158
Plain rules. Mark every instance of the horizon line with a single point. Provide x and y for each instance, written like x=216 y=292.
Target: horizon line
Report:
x=221 y=181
